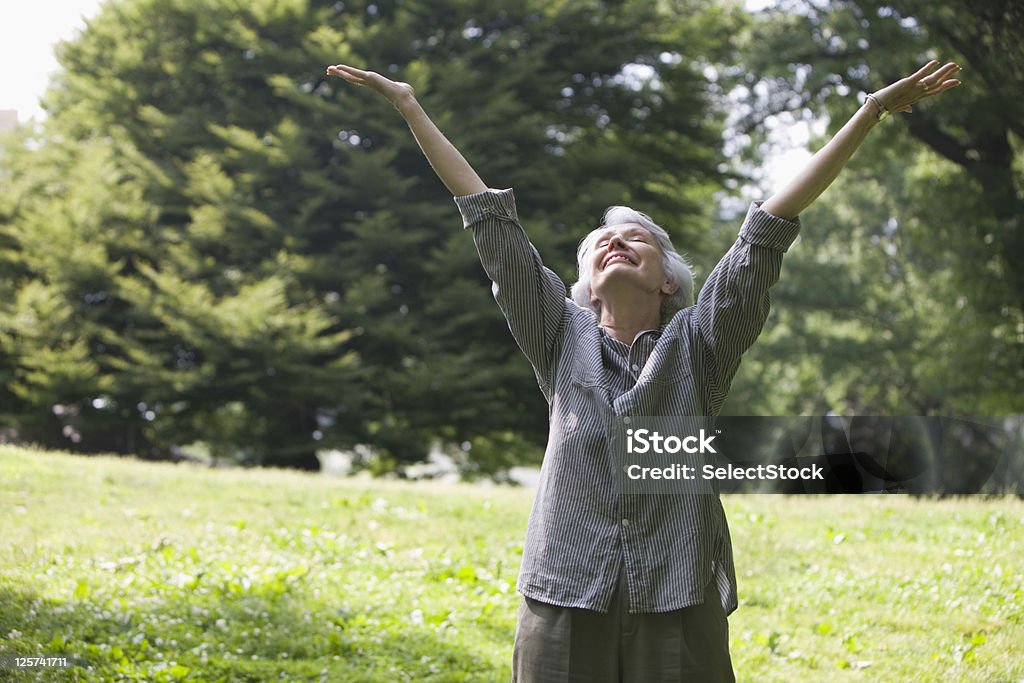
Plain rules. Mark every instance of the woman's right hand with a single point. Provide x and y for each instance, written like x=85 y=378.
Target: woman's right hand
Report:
x=449 y=164
x=394 y=92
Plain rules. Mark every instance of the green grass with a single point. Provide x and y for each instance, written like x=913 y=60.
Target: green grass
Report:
x=156 y=572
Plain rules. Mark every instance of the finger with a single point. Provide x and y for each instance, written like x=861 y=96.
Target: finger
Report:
x=346 y=76
x=941 y=87
x=335 y=70
x=924 y=70
x=945 y=72
x=350 y=70
x=348 y=73
x=937 y=82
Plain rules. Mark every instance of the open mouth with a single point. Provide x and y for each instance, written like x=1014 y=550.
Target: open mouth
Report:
x=616 y=258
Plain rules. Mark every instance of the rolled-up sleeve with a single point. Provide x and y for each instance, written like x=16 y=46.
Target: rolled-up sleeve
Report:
x=733 y=304
x=531 y=296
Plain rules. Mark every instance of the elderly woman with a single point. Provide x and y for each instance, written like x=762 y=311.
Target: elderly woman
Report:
x=618 y=586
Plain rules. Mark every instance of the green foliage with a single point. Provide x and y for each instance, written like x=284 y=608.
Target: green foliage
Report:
x=264 y=575
x=904 y=293
x=208 y=242
x=260 y=260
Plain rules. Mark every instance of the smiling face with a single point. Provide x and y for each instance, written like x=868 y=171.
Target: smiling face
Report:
x=634 y=264
x=626 y=257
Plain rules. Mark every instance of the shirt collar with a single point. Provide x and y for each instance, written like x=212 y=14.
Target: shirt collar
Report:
x=623 y=345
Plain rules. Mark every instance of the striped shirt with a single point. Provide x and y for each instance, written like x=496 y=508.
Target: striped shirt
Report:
x=581 y=528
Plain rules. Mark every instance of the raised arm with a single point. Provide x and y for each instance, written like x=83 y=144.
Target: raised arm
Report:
x=825 y=166
x=531 y=296
x=449 y=164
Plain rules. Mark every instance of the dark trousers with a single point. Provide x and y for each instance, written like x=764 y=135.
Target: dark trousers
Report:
x=559 y=644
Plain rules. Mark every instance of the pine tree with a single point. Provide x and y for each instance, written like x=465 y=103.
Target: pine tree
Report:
x=280 y=270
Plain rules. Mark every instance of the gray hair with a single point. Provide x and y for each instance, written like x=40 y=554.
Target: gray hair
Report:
x=677 y=270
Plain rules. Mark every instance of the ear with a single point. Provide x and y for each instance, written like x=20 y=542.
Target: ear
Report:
x=668 y=288
x=593 y=299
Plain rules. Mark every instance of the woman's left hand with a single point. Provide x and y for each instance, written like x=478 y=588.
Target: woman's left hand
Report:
x=926 y=82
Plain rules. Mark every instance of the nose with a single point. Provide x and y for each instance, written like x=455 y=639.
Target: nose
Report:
x=616 y=242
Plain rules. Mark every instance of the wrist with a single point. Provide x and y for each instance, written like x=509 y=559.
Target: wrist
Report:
x=872 y=102
x=405 y=103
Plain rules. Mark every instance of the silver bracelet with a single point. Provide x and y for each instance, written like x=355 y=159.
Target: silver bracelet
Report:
x=882 y=111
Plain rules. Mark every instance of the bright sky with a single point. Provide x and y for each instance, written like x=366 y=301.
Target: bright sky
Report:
x=29 y=29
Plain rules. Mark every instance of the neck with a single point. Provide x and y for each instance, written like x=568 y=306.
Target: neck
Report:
x=624 y=319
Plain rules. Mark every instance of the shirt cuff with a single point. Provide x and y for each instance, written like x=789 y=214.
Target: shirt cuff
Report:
x=498 y=203
x=765 y=230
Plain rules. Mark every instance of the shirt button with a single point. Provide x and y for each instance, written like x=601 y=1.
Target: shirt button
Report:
x=625 y=522
x=625 y=420
x=636 y=368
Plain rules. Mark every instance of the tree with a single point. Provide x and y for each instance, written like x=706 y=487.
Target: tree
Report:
x=195 y=326
x=905 y=293
x=66 y=221
x=292 y=285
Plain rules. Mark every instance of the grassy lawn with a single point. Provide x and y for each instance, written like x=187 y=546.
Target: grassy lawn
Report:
x=156 y=572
